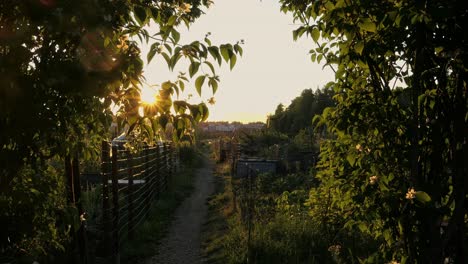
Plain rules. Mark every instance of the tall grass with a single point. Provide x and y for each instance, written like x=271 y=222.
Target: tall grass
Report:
x=285 y=228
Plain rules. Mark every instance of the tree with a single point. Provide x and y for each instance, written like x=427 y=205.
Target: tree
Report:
x=298 y=115
x=64 y=63
x=401 y=122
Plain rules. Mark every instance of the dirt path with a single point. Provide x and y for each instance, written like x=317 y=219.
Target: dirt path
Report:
x=182 y=243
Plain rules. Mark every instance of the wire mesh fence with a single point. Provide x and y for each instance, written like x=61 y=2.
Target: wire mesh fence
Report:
x=130 y=181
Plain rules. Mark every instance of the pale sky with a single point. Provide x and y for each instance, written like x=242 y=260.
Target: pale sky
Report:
x=273 y=70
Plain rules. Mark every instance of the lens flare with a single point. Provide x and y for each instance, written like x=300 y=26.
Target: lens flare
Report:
x=148 y=95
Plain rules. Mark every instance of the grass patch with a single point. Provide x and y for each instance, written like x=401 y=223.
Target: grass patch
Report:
x=161 y=214
x=220 y=210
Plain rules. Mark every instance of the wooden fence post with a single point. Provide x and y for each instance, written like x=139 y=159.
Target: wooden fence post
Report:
x=115 y=208
x=130 y=198
x=106 y=222
x=158 y=171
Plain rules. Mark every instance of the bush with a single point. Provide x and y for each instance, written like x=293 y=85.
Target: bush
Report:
x=33 y=209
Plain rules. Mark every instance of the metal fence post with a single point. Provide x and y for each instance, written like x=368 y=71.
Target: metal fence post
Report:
x=158 y=171
x=130 y=198
x=106 y=222
x=81 y=232
x=115 y=208
x=166 y=166
x=148 y=181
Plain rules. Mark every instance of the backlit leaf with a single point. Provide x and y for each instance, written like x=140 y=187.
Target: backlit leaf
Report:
x=199 y=83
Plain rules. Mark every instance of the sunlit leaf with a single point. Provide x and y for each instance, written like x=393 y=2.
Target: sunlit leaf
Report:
x=423 y=197
x=175 y=35
x=315 y=34
x=233 y=61
x=193 y=68
x=225 y=52
x=199 y=83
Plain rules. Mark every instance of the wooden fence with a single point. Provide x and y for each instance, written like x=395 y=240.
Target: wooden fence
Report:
x=131 y=181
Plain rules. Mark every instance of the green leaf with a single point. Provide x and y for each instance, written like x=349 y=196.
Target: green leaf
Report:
x=171 y=21
x=214 y=51
x=154 y=48
x=211 y=66
x=225 y=52
x=168 y=47
x=295 y=33
x=423 y=197
x=319 y=58
x=351 y=158
x=233 y=61
x=203 y=111
x=167 y=58
x=106 y=41
x=140 y=14
x=313 y=57
x=199 y=83
x=35 y=191
x=368 y=26
x=181 y=85
x=193 y=68
x=175 y=35
x=359 y=47
x=315 y=34
x=214 y=85
x=363 y=227
x=239 y=49
x=174 y=60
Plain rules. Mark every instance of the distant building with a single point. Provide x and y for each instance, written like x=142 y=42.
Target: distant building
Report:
x=229 y=127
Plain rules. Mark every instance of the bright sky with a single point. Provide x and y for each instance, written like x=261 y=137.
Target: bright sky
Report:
x=273 y=70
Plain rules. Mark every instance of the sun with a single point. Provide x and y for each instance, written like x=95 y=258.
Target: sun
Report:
x=148 y=95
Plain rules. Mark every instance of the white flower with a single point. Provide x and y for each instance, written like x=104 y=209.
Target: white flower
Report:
x=358 y=147
x=373 y=180
x=411 y=194
x=335 y=249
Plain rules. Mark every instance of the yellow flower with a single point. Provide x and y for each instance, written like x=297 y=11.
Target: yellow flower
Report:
x=373 y=179
x=394 y=262
x=185 y=8
x=212 y=101
x=359 y=147
x=411 y=194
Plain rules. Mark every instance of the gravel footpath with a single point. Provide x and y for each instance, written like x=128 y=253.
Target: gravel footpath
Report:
x=182 y=243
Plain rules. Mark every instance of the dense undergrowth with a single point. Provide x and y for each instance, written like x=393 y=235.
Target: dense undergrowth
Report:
x=288 y=226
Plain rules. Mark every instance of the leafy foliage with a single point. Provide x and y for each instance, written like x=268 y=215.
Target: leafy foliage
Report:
x=298 y=115
x=395 y=167
x=64 y=64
